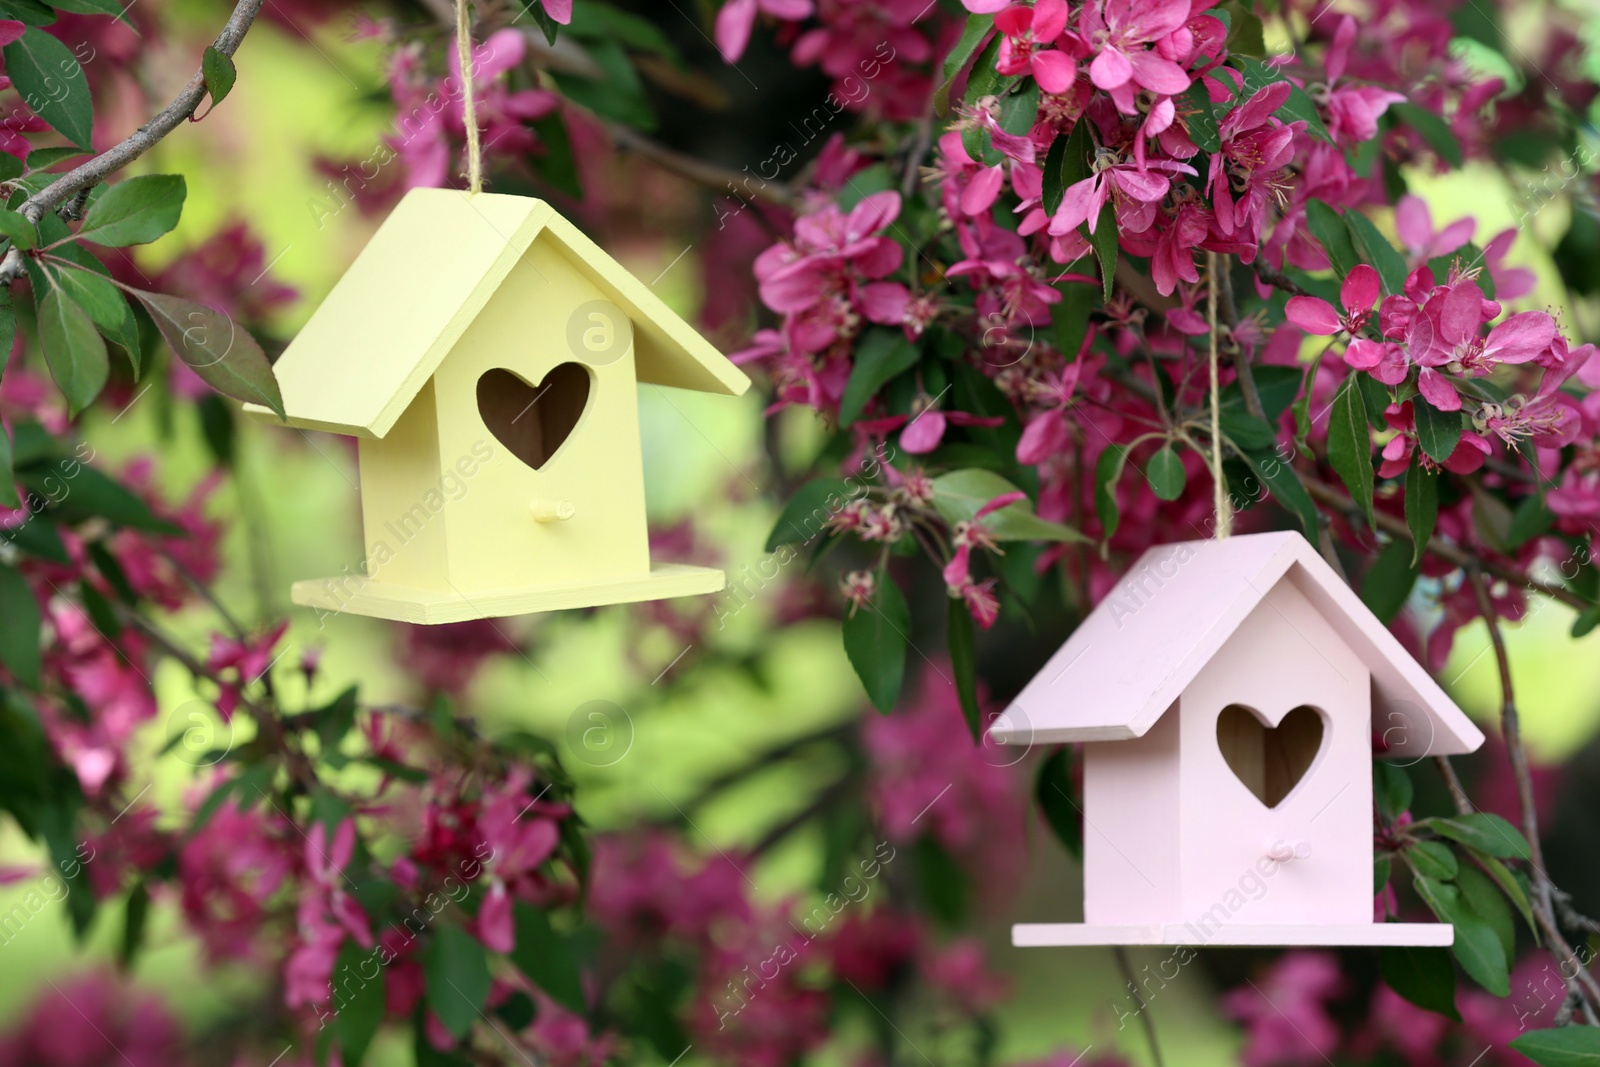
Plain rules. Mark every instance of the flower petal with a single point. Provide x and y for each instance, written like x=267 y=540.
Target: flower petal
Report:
x=1110 y=69
x=1439 y=390
x=1520 y=338
x=1054 y=70
x=1313 y=315
x=1360 y=289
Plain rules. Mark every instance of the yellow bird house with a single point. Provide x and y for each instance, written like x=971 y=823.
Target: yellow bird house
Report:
x=485 y=353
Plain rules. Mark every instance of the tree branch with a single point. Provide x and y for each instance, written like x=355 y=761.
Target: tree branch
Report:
x=1333 y=498
x=1579 y=979
x=87 y=175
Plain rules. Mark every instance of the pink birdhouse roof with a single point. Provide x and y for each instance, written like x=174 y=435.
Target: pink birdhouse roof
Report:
x=1146 y=641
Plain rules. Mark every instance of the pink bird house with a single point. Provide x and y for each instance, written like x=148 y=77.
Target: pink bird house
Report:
x=1227 y=695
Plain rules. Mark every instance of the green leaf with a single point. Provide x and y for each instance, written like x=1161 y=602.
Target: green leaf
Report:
x=1375 y=249
x=15 y=226
x=883 y=354
x=1350 y=444
x=1298 y=106
x=805 y=517
x=1438 y=432
x=1285 y=486
x=1585 y=623
x=134 y=919
x=1391 y=788
x=8 y=479
x=1570 y=1046
x=1489 y=834
x=557 y=164
x=972 y=34
x=1104 y=241
x=359 y=998
x=1432 y=859
x=1422 y=506
x=958 y=495
x=73 y=350
x=1483 y=898
x=135 y=211
x=1195 y=104
x=1389 y=581
x=1276 y=386
x=221 y=352
x=1070 y=316
x=44 y=158
x=19 y=635
x=457 y=974
x=1530 y=519
x=1423 y=976
x=219 y=72
x=1477 y=949
x=52 y=84
x=1019 y=109
x=1165 y=474
x=1327 y=226
x=546 y=958
x=876 y=637
x=1053 y=790
x=1246 y=35
x=1066 y=165
x=1382 y=867
x=1441 y=897
x=1511 y=886
x=1378 y=400
x=31 y=12
x=93 y=495
x=1244 y=431
x=542 y=19
x=115 y=8
x=96 y=295
x=961 y=638
x=1433 y=128
x=1107 y=472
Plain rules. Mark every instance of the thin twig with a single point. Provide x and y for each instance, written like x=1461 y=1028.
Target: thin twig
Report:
x=1450 y=553
x=1452 y=781
x=87 y=175
x=1511 y=730
x=1145 y=1021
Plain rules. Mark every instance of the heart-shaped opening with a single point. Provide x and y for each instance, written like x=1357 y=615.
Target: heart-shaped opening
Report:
x=1269 y=760
x=533 y=422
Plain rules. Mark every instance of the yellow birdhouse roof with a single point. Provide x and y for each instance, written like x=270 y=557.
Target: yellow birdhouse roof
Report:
x=429 y=270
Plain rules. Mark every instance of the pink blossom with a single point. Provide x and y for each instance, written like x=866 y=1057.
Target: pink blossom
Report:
x=92 y=1020
x=1024 y=49
x=1255 y=148
x=919 y=752
x=738 y=17
x=1118 y=31
x=558 y=10
x=242 y=662
x=1285 y=1011
x=1082 y=201
x=1413 y=221
x=1358 y=294
x=433 y=112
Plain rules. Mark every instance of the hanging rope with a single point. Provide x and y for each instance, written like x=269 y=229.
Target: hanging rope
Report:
x=469 y=107
x=1223 y=506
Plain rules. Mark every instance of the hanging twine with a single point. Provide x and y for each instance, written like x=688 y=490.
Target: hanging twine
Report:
x=469 y=108
x=1223 y=506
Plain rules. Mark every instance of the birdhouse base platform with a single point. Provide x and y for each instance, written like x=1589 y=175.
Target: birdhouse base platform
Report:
x=1194 y=935
x=427 y=607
